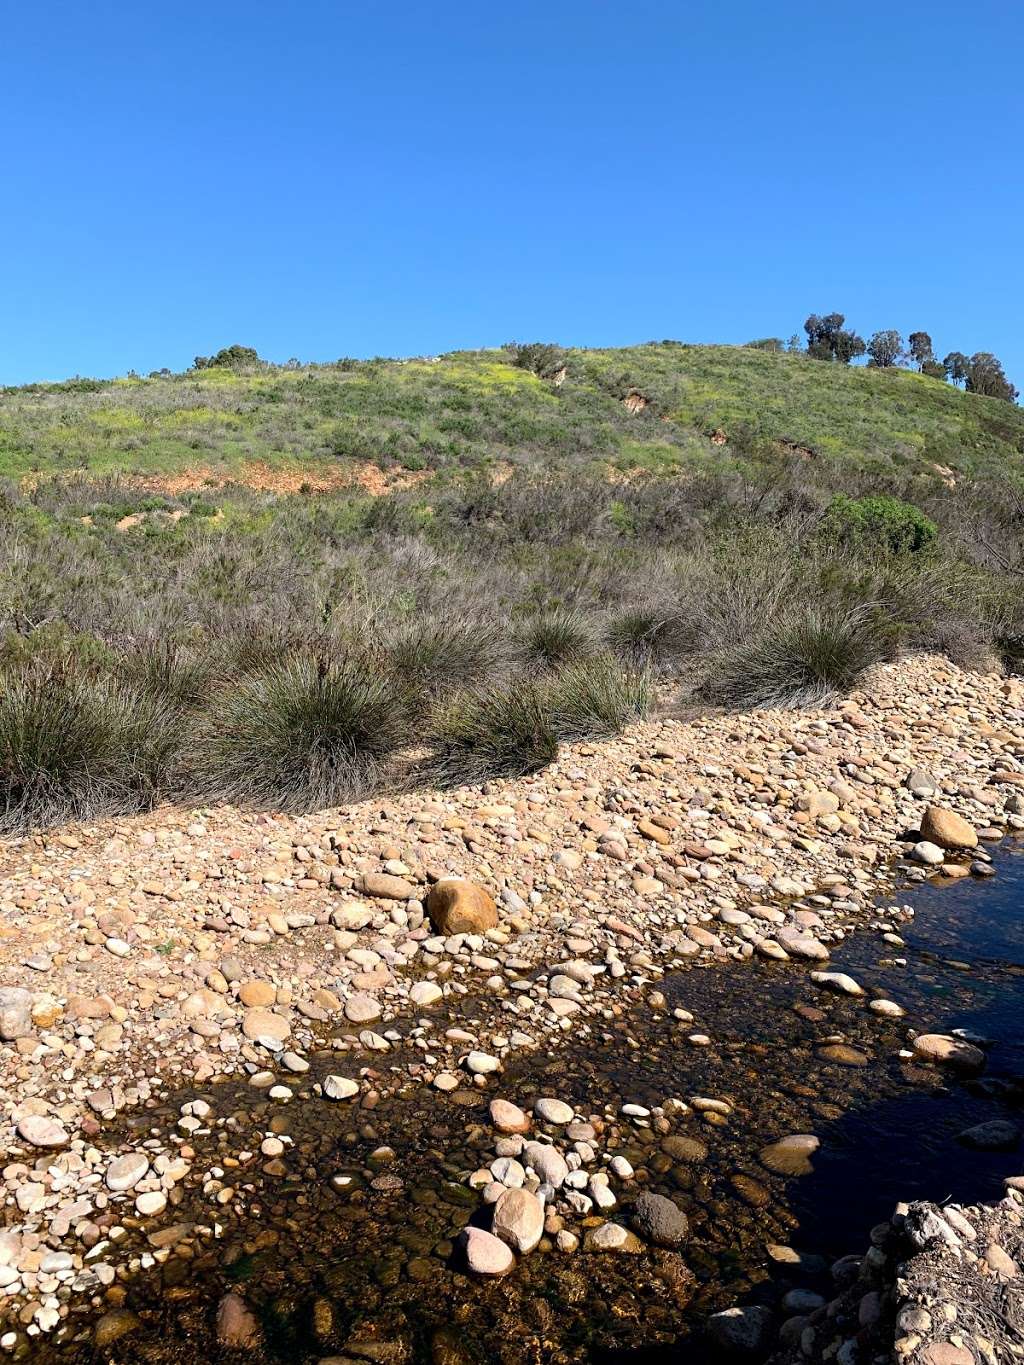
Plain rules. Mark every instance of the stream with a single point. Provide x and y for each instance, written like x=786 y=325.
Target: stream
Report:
x=345 y=1252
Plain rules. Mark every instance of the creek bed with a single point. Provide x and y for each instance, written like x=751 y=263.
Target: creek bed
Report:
x=344 y=1256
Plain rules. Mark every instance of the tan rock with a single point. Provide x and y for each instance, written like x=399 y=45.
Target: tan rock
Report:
x=257 y=993
x=386 y=887
x=947 y=829
x=458 y=906
x=261 y=1023
x=947 y=1051
x=508 y=1117
x=518 y=1220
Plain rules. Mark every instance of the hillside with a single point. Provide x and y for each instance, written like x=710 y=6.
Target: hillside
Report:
x=660 y=407
x=285 y=587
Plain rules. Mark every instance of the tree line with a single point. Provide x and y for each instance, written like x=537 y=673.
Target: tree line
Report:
x=828 y=338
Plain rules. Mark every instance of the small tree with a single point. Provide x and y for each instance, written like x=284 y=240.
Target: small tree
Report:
x=920 y=344
x=847 y=346
x=933 y=369
x=230 y=357
x=544 y=358
x=885 y=349
x=985 y=375
x=828 y=340
x=956 y=366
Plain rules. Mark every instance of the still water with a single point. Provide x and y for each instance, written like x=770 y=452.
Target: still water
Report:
x=365 y=1272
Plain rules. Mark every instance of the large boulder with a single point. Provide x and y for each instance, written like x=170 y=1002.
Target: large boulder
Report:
x=947 y=829
x=458 y=906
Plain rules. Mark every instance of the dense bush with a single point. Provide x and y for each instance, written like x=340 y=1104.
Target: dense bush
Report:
x=878 y=523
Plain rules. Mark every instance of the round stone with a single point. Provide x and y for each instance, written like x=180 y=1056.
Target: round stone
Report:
x=659 y=1220
x=125 y=1172
x=519 y=1219
x=553 y=1111
x=486 y=1254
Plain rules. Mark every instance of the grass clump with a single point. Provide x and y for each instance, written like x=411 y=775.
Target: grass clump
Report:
x=436 y=655
x=503 y=731
x=556 y=637
x=74 y=747
x=304 y=733
x=598 y=698
x=803 y=659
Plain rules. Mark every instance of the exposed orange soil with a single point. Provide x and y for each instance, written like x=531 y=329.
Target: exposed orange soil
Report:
x=264 y=478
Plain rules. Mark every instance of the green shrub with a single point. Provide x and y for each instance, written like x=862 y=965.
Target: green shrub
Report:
x=79 y=746
x=303 y=734
x=597 y=698
x=878 y=522
x=502 y=731
x=803 y=659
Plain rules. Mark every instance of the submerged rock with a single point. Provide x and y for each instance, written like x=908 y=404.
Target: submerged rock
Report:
x=660 y=1220
x=485 y=1254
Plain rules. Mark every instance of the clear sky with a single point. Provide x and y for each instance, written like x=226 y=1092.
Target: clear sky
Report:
x=328 y=178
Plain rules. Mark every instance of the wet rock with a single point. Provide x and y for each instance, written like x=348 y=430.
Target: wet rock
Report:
x=518 y=1220
x=928 y=853
x=947 y=829
x=361 y=1008
x=791 y=1155
x=837 y=981
x=485 y=1254
x=237 y=1328
x=547 y=1163
x=458 y=906
x=997 y=1135
x=659 y=1220
x=340 y=1087
x=744 y=1331
x=944 y=1050
x=114 y=1325
x=553 y=1111
x=509 y=1118
x=684 y=1148
x=39 y=1131
x=612 y=1237
x=124 y=1172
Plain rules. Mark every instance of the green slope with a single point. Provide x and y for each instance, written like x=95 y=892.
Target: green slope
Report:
x=475 y=409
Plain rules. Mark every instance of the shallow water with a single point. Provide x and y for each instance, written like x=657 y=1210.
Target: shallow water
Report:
x=366 y=1272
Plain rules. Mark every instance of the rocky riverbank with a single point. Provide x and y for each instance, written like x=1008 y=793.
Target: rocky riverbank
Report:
x=171 y=951
x=938 y=1285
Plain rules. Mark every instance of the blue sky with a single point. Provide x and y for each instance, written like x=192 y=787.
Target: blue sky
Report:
x=327 y=179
